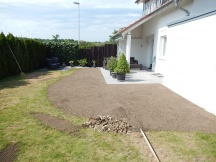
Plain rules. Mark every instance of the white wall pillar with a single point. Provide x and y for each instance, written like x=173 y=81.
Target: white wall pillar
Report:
x=128 y=47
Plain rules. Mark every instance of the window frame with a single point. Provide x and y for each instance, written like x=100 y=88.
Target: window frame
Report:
x=163 y=46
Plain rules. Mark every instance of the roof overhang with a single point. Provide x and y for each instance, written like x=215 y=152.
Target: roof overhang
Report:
x=121 y=34
x=117 y=36
x=140 y=1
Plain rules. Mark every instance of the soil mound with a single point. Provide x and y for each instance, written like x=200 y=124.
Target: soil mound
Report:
x=56 y=123
x=117 y=112
x=9 y=153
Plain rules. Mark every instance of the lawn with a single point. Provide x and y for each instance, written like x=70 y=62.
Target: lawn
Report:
x=20 y=96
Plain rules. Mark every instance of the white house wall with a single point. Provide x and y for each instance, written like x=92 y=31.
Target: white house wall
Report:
x=190 y=62
x=148 y=30
x=152 y=27
x=137 y=50
x=189 y=66
x=121 y=47
x=137 y=32
x=202 y=6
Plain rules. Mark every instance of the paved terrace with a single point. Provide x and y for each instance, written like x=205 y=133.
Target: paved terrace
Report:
x=136 y=76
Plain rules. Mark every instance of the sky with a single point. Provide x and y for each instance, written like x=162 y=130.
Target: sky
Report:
x=44 y=18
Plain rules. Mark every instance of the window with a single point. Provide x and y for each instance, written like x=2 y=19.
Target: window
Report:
x=163 y=1
x=163 y=43
x=148 y=9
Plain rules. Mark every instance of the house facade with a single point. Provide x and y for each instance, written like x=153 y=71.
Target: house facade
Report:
x=177 y=38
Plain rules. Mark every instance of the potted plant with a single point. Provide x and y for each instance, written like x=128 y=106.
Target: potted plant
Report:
x=122 y=68
x=112 y=64
x=82 y=62
x=94 y=63
x=71 y=63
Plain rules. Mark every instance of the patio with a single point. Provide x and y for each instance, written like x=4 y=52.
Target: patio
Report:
x=136 y=76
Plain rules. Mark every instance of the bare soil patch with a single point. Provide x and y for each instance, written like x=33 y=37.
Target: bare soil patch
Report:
x=56 y=123
x=9 y=153
x=149 y=106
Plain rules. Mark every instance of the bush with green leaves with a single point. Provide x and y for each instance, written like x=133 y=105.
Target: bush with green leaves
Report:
x=65 y=51
x=82 y=62
x=29 y=53
x=112 y=63
x=122 y=66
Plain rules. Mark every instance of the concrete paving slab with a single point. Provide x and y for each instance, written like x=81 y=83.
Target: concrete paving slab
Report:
x=134 y=77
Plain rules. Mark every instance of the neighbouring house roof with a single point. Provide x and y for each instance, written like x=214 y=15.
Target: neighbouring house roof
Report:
x=140 y=21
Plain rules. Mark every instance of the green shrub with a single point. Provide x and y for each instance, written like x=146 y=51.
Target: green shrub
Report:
x=29 y=53
x=122 y=66
x=4 y=53
x=71 y=62
x=82 y=62
x=112 y=63
x=65 y=51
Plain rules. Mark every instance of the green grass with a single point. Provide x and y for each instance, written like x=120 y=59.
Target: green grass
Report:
x=36 y=141
x=208 y=144
x=186 y=146
x=19 y=96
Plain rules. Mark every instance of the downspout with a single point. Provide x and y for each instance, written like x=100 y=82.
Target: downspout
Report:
x=180 y=8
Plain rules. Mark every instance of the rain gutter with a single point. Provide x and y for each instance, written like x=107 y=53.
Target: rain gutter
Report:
x=180 y=8
x=191 y=18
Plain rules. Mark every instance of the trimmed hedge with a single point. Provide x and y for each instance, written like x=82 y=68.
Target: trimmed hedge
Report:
x=65 y=51
x=29 y=53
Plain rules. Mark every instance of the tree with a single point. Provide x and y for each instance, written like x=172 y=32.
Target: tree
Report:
x=56 y=37
x=111 y=40
x=3 y=56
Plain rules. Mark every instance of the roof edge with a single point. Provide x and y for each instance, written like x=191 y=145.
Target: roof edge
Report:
x=150 y=15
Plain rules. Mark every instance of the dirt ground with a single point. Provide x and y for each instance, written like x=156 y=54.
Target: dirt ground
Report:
x=9 y=153
x=56 y=123
x=149 y=106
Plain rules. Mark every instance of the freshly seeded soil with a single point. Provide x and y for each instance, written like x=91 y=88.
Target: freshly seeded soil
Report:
x=149 y=106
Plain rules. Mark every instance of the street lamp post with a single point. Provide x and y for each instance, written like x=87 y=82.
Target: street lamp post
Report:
x=77 y=3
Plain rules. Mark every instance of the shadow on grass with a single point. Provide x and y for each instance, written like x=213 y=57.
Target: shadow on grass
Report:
x=21 y=80
x=12 y=82
x=37 y=74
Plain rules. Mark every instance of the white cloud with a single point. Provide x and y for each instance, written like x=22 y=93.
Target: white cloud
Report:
x=44 y=18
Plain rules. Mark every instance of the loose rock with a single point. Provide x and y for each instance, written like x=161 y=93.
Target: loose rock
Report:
x=107 y=124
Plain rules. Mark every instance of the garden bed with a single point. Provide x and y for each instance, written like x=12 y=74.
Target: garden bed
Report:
x=147 y=106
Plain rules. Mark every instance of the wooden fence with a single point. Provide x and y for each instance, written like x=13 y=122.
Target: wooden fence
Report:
x=98 y=53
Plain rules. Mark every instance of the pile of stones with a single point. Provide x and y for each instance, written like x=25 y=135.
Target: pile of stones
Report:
x=107 y=124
